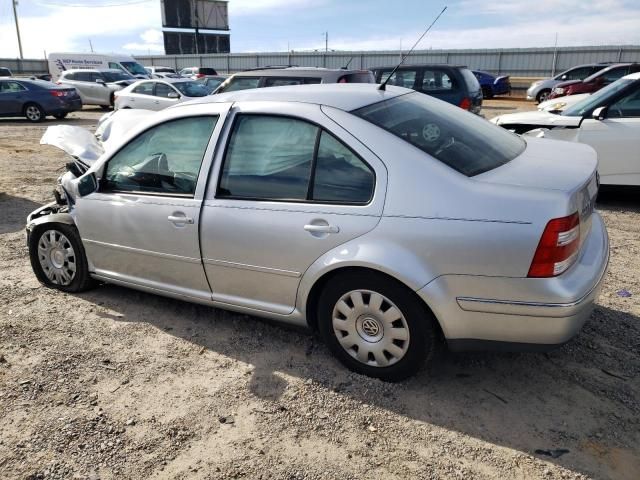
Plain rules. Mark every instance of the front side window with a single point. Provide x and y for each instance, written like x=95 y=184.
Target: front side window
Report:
x=576 y=74
x=116 y=76
x=134 y=68
x=597 y=99
x=614 y=74
x=115 y=66
x=282 y=158
x=401 y=78
x=434 y=80
x=467 y=143
x=154 y=162
x=192 y=89
x=626 y=107
x=83 y=77
x=163 y=90
x=282 y=82
x=239 y=83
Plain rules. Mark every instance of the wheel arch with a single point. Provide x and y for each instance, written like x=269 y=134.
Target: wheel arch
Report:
x=313 y=295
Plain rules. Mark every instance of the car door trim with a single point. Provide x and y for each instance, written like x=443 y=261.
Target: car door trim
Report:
x=141 y=251
x=214 y=204
x=255 y=268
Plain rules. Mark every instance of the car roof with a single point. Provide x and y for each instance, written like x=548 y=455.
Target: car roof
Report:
x=99 y=70
x=295 y=72
x=606 y=69
x=343 y=96
x=632 y=76
x=420 y=65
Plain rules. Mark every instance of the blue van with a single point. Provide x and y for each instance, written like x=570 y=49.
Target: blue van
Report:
x=451 y=83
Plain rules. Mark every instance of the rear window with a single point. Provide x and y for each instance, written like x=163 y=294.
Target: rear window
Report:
x=5 y=72
x=208 y=71
x=358 y=77
x=463 y=141
x=470 y=79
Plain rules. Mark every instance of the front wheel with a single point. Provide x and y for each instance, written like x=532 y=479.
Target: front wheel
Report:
x=543 y=95
x=34 y=113
x=58 y=259
x=376 y=326
x=487 y=92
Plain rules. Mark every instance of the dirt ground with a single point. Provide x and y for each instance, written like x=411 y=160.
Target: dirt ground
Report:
x=118 y=384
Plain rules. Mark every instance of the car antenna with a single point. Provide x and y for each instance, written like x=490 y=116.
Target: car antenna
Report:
x=348 y=63
x=383 y=85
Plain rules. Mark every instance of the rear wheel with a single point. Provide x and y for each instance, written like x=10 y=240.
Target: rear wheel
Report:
x=105 y=107
x=487 y=92
x=376 y=326
x=58 y=259
x=543 y=95
x=33 y=112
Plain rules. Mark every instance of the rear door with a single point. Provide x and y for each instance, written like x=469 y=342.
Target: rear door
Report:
x=289 y=186
x=13 y=95
x=141 y=226
x=142 y=96
x=87 y=88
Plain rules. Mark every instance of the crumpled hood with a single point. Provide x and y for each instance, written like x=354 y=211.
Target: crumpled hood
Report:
x=78 y=142
x=536 y=118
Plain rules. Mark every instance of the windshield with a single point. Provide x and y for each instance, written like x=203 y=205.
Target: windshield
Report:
x=116 y=76
x=134 y=68
x=595 y=100
x=191 y=89
x=463 y=141
x=212 y=83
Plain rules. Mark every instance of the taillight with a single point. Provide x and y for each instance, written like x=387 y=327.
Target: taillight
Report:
x=200 y=75
x=57 y=93
x=558 y=247
x=465 y=104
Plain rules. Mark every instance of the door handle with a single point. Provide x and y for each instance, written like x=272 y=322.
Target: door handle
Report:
x=322 y=228
x=180 y=219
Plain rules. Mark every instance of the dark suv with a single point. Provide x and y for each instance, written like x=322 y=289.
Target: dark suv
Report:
x=451 y=83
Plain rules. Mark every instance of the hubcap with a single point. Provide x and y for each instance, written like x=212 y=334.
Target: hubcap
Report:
x=370 y=328
x=57 y=257
x=33 y=113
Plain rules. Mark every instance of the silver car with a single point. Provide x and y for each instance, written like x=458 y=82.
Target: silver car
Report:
x=541 y=89
x=96 y=87
x=387 y=220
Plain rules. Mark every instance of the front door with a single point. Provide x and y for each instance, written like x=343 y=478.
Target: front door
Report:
x=290 y=186
x=617 y=140
x=141 y=226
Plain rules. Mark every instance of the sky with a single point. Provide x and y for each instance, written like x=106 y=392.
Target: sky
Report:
x=134 y=26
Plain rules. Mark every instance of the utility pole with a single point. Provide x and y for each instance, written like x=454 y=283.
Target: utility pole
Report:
x=15 y=17
x=91 y=45
x=326 y=41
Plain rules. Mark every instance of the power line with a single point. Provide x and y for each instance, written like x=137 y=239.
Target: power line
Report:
x=50 y=3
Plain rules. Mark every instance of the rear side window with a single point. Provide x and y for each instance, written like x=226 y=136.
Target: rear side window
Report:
x=467 y=143
x=436 y=80
x=358 y=77
x=145 y=88
x=470 y=80
x=281 y=82
x=208 y=71
x=11 y=87
x=282 y=158
x=615 y=74
x=83 y=77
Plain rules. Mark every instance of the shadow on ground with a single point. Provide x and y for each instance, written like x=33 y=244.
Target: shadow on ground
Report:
x=527 y=402
x=14 y=212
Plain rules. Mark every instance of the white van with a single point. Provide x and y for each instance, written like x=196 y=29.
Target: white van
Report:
x=59 y=62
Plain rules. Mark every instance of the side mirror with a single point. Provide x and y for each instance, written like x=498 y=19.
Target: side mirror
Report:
x=563 y=77
x=599 y=113
x=100 y=80
x=173 y=95
x=87 y=184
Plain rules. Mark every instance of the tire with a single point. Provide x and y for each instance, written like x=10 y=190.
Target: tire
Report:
x=52 y=262
x=105 y=107
x=60 y=116
x=542 y=95
x=376 y=351
x=34 y=112
x=487 y=92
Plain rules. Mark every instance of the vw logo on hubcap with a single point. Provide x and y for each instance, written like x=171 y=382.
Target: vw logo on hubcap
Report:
x=370 y=327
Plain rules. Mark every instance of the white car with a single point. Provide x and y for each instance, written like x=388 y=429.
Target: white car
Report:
x=158 y=94
x=556 y=105
x=608 y=120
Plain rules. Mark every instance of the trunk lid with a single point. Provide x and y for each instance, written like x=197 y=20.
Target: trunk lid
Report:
x=547 y=164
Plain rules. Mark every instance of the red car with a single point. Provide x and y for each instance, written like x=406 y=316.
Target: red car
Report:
x=595 y=82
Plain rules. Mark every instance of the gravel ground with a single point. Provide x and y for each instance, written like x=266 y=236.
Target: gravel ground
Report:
x=115 y=383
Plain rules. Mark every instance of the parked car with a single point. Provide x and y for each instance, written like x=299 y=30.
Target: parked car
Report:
x=596 y=81
x=453 y=84
x=35 y=99
x=279 y=77
x=45 y=76
x=5 y=72
x=540 y=89
x=291 y=203
x=492 y=85
x=61 y=62
x=608 y=121
x=96 y=87
x=158 y=69
x=211 y=82
x=197 y=72
x=557 y=105
x=159 y=94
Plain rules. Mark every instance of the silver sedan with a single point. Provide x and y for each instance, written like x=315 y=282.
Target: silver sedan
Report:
x=386 y=220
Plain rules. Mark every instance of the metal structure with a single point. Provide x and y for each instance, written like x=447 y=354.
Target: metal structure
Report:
x=517 y=62
x=195 y=16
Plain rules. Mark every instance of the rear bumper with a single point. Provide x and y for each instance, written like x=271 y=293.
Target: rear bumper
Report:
x=521 y=313
x=66 y=106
